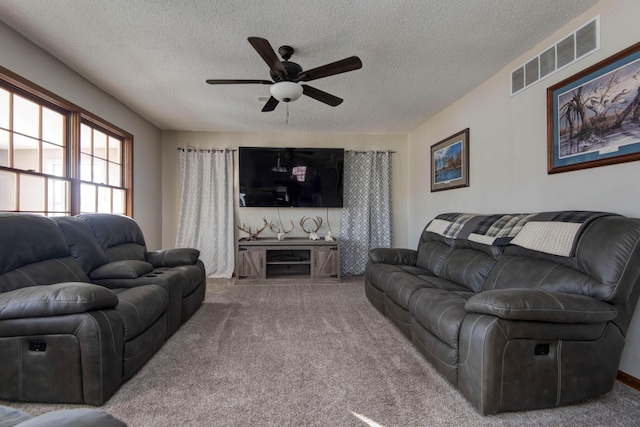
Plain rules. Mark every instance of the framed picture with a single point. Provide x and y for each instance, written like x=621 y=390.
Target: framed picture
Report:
x=450 y=162
x=593 y=117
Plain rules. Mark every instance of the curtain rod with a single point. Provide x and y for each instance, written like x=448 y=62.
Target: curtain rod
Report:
x=231 y=149
x=208 y=150
x=370 y=151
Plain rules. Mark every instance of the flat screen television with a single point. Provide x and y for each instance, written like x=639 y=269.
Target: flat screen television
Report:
x=290 y=177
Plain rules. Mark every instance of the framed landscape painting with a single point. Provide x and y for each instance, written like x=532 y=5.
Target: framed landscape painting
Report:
x=450 y=162
x=593 y=117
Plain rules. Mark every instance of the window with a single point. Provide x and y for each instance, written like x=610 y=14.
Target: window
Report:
x=300 y=173
x=57 y=159
x=101 y=169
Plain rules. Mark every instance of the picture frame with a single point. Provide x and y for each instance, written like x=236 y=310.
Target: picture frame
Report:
x=593 y=117
x=450 y=162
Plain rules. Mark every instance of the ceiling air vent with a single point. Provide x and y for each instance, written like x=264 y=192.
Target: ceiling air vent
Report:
x=570 y=49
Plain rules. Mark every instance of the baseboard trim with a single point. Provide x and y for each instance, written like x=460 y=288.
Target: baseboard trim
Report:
x=629 y=380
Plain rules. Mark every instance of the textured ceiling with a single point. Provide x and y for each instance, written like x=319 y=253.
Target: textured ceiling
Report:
x=418 y=56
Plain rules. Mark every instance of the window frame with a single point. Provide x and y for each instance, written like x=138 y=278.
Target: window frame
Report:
x=75 y=117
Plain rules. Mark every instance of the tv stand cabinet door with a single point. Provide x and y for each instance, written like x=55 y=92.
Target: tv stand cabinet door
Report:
x=326 y=262
x=251 y=263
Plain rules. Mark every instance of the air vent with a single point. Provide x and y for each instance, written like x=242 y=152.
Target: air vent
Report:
x=570 y=49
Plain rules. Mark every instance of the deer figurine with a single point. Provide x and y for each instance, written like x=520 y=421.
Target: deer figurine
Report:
x=313 y=233
x=252 y=235
x=280 y=234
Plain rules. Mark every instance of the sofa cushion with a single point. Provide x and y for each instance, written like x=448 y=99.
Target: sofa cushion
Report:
x=120 y=236
x=126 y=269
x=172 y=257
x=440 y=312
x=180 y=283
x=38 y=253
x=55 y=300
x=112 y=230
x=44 y=272
x=393 y=256
x=468 y=267
x=432 y=254
x=541 y=306
x=32 y=238
x=608 y=253
x=513 y=272
x=185 y=278
x=140 y=307
x=84 y=246
x=131 y=251
x=402 y=286
x=379 y=274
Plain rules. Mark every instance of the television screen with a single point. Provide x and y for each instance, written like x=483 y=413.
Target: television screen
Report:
x=290 y=177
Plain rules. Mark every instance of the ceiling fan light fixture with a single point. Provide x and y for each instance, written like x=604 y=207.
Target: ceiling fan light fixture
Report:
x=286 y=91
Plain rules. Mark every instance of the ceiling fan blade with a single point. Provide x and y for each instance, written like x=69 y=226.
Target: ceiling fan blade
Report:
x=321 y=96
x=267 y=53
x=338 y=67
x=230 y=82
x=271 y=105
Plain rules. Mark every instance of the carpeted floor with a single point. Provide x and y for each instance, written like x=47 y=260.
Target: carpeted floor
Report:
x=310 y=355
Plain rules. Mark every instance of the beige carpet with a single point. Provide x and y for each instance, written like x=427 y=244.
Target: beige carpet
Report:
x=310 y=355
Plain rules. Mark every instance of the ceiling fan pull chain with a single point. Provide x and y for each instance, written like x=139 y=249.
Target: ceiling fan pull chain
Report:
x=287 y=121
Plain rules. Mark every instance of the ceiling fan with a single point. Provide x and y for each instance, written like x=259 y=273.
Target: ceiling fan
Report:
x=287 y=75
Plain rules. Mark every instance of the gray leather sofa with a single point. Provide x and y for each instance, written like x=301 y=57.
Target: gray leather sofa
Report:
x=10 y=417
x=518 y=312
x=83 y=304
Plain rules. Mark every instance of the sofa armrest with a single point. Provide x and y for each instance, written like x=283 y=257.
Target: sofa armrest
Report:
x=393 y=256
x=55 y=300
x=539 y=305
x=125 y=269
x=172 y=257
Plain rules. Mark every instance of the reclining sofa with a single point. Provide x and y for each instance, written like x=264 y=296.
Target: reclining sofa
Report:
x=83 y=304
x=520 y=311
x=10 y=417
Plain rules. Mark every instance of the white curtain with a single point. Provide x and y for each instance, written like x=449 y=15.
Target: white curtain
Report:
x=365 y=221
x=205 y=220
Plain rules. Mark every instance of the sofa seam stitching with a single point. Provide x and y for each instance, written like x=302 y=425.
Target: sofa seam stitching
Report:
x=542 y=279
x=417 y=341
x=624 y=270
x=559 y=360
x=68 y=268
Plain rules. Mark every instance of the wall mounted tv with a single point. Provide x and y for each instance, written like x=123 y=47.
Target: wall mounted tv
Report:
x=290 y=177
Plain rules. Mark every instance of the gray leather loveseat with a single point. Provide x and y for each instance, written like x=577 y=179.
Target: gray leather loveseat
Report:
x=83 y=304
x=517 y=311
x=10 y=417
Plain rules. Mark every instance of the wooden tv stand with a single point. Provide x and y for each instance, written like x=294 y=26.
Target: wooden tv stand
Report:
x=292 y=259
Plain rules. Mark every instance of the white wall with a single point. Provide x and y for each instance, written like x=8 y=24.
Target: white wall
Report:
x=252 y=217
x=508 y=149
x=29 y=61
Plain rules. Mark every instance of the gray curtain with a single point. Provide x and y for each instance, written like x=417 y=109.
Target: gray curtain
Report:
x=205 y=219
x=365 y=221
